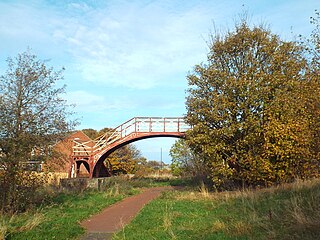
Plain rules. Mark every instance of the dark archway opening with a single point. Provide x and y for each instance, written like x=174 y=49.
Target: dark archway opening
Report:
x=82 y=171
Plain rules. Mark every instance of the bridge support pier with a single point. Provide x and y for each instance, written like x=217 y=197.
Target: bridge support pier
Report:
x=100 y=170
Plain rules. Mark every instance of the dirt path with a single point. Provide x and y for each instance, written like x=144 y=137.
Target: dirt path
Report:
x=115 y=217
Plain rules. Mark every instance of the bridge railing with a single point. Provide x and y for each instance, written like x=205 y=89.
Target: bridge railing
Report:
x=160 y=125
x=134 y=125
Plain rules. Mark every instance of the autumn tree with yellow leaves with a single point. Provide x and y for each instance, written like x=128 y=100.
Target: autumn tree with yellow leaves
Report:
x=254 y=108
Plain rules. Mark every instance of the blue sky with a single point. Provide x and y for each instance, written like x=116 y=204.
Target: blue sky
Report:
x=130 y=58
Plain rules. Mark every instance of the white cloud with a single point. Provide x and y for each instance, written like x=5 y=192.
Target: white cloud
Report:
x=129 y=44
x=135 y=48
x=86 y=102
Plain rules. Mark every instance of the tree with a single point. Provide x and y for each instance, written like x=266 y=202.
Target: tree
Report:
x=314 y=41
x=33 y=117
x=91 y=133
x=249 y=106
x=313 y=50
x=125 y=159
x=155 y=165
x=184 y=161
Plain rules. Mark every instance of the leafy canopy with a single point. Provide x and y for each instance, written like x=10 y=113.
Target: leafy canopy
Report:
x=250 y=107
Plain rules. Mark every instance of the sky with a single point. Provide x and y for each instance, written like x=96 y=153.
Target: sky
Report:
x=128 y=58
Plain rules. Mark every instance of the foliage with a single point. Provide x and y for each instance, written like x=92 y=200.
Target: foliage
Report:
x=125 y=160
x=155 y=165
x=91 y=133
x=153 y=169
x=33 y=117
x=184 y=161
x=313 y=43
x=149 y=168
x=285 y=212
x=314 y=89
x=254 y=107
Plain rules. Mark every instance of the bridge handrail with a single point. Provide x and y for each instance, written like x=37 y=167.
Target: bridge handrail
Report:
x=133 y=125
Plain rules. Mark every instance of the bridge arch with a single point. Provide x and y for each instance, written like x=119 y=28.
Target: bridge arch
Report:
x=97 y=172
x=96 y=151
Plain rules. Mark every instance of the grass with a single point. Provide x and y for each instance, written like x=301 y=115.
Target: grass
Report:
x=60 y=218
x=290 y=211
x=60 y=215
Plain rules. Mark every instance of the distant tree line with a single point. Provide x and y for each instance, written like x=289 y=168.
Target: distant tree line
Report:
x=254 y=108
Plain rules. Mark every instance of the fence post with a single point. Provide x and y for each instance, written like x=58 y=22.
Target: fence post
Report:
x=150 y=125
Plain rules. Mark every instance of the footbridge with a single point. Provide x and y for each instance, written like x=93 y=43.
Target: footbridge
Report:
x=92 y=154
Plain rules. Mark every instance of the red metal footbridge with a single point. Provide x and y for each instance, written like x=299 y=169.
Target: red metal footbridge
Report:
x=92 y=154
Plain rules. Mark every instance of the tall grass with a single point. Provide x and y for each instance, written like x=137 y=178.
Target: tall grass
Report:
x=203 y=189
x=289 y=211
x=168 y=218
x=5 y=226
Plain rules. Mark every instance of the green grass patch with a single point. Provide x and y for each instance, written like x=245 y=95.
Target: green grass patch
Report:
x=138 y=182
x=61 y=213
x=286 y=212
x=60 y=217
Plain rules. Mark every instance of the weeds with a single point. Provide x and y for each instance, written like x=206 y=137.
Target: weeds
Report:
x=5 y=225
x=112 y=191
x=203 y=190
x=19 y=223
x=289 y=211
x=218 y=226
x=35 y=220
x=168 y=218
